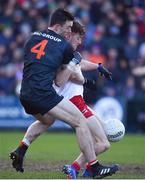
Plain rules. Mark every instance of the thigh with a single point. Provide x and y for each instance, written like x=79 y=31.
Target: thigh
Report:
x=79 y=102
x=68 y=112
x=45 y=119
x=96 y=128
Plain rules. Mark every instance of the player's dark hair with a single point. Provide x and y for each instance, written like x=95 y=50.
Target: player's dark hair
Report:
x=78 y=28
x=60 y=16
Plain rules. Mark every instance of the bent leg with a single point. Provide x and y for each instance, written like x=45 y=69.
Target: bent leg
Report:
x=100 y=140
x=35 y=130
x=67 y=112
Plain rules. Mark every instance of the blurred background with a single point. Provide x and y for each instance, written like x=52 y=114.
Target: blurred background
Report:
x=115 y=36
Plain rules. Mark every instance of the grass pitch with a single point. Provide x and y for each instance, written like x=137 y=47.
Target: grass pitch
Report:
x=47 y=155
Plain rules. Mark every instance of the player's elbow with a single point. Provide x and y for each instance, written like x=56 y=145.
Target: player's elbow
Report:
x=107 y=145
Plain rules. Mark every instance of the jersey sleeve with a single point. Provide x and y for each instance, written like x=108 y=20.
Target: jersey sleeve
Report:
x=68 y=54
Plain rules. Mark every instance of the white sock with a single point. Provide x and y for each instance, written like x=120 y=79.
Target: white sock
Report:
x=26 y=141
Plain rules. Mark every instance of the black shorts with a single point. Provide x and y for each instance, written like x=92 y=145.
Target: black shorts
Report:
x=42 y=106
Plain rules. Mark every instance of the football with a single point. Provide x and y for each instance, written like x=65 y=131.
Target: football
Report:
x=114 y=129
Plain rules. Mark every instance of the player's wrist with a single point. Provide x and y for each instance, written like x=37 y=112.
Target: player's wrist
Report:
x=99 y=66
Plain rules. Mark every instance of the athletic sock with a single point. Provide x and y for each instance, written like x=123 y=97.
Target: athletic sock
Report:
x=22 y=148
x=26 y=141
x=88 y=167
x=93 y=165
x=76 y=166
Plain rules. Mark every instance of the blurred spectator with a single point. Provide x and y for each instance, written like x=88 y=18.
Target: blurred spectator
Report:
x=131 y=50
x=96 y=55
x=142 y=51
x=96 y=12
x=140 y=13
x=7 y=36
x=112 y=58
x=129 y=88
x=139 y=71
x=142 y=88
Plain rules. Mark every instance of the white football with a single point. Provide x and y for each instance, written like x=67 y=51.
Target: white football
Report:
x=114 y=129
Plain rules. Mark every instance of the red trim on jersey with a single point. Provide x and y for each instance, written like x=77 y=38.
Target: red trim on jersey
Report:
x=79 y=102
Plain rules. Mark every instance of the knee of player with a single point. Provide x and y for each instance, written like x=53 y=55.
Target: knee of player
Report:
x=106 y=145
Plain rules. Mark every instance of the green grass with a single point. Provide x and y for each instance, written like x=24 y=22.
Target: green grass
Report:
x=58 y=175
x=30 y=175
x=130 y=150
x=55 y=147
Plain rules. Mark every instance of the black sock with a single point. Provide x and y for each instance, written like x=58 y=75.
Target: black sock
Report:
x=95 y=168
x=22 y=149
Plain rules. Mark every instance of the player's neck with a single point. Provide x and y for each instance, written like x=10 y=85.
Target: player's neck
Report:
x=54 y=29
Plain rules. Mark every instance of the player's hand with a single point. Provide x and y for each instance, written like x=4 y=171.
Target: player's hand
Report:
x=77 y=58
x=90 y=84
x=104 y=72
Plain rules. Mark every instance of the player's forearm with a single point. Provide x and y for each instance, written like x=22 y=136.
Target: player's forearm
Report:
x=77 y=78
x=87 y=65
x=63 y=75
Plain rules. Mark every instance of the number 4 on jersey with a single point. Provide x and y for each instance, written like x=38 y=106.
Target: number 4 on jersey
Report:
x=39 y=49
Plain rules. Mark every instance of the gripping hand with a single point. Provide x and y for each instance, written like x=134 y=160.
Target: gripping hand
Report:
x=104 y=72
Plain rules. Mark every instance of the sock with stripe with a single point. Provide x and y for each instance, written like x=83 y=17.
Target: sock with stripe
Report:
x=76 y=166
x=93 y=166
x=24 y=144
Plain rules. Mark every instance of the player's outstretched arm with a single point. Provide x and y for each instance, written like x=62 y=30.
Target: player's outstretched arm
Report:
x=69 y=73
x=88 y=66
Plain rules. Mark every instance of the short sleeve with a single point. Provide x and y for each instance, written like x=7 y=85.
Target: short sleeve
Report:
x=68 y=54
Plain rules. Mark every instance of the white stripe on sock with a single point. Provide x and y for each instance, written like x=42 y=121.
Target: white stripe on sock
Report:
x=26 y=141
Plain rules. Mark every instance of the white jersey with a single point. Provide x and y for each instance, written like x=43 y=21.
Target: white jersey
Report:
x=71 y=89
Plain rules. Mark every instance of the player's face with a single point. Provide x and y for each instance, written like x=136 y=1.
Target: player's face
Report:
x=75 y=40
x=66 y=29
